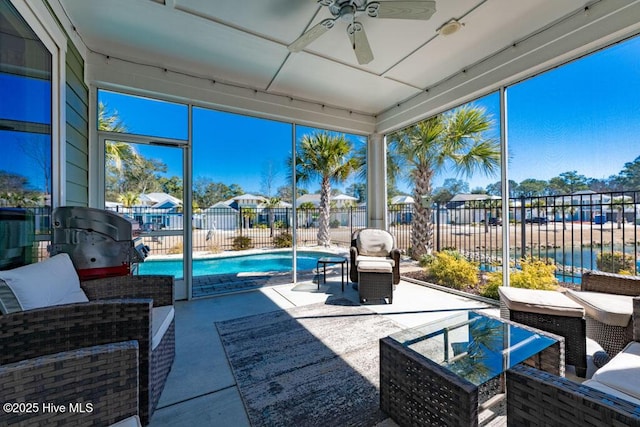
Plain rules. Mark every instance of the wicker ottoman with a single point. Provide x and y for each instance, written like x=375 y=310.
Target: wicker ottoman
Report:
x=375 y=281
x=608 y=318
x=553 y=312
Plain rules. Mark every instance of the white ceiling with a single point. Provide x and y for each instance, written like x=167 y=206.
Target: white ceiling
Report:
x=244 y=42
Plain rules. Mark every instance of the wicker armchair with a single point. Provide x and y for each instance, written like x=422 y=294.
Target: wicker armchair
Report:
x=354 y=252
x=611 y=337
x=106 y=393
x=119 y=309
x=552 y=312
x=537 y=398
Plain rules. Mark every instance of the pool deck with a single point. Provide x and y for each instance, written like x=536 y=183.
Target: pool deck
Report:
x=218 y=284
x=201 y=388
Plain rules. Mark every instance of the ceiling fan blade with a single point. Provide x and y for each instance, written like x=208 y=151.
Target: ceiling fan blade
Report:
x=308 y=37
x=402 y=9
x=360 y=43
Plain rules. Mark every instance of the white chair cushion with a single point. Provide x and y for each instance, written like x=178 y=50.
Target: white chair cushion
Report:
x=610 y=309
x=361 y=258
x=161 y=318
x=623 y=371
x=374 y=242
x=538 y=301
x=374 y=267
x=53 y=281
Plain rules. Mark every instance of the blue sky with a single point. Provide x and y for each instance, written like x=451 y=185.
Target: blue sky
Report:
x=25 y=99
x=581 y=116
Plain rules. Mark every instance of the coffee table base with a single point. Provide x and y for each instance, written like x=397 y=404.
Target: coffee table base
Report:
x=415 y=391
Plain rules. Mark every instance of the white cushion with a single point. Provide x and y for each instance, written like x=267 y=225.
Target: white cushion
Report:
x=374 y=267
x=610 y=309
x=161 y=318
x=53 y=281
x=360 y=258
x=538 y=301
x=623 y=371
x=374 y=242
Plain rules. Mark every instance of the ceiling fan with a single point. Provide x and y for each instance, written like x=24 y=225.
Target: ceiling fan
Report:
x=349 y=10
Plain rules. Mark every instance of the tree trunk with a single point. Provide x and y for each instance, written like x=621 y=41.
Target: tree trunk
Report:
x=619 y=219
x=324 y=237
x=422 y=234
x=271 y=221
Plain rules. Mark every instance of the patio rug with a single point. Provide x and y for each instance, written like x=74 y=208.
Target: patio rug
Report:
x=315 y=365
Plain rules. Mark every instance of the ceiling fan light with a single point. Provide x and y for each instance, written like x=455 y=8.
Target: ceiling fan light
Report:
x=453 y=26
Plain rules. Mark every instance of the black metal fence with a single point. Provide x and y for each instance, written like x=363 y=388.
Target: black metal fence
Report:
x=581 y=231
x=222 y=229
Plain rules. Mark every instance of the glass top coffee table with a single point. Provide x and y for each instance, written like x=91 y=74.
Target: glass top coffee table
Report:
x=450 y=372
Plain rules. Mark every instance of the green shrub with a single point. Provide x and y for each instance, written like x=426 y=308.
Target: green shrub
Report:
x=260 y=226
x=334 y=224
x=425 y=260
x=279 y=224
x=449 y=268
x=532 y=274
x=241 y=243
x=283 y=240
x=615 y=262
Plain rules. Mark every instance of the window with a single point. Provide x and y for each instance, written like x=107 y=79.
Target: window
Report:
x=25 y=124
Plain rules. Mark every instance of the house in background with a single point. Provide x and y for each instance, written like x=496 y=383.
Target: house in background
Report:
x=401 y=209
x=219 y=216
x=340 y=214
x=250 y=201
x=471 y=208
x=154 y=211
x=226 y=215
x=160 y=201
x=338 y=201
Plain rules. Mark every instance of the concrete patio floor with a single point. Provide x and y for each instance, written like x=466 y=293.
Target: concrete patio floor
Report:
x=201 y=389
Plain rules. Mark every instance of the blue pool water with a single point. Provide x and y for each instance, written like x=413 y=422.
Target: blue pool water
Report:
x=273 y=261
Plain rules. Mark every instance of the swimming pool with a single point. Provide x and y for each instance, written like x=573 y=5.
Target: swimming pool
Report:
x=263 y=262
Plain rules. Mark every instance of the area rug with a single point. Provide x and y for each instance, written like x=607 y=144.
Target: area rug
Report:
x=315 y=365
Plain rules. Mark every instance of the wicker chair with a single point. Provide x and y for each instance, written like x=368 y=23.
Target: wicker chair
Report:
x=376 y=261
x=611 y=337
x=106 y=393
x=119 y=309
x=537 y=398
x=393 y=255
x=552 y=312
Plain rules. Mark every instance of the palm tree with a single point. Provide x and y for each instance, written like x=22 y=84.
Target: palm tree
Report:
x=271 y=204
x=129 y=199
x=566 y=208
x=618 y=204
x=328 y=157
x=307 y=207
x=455 y=139
x=115 y=152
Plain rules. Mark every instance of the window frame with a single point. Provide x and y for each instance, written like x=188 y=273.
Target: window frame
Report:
x=38 y=17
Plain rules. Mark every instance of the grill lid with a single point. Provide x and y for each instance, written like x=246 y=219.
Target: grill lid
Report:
x=96 y=239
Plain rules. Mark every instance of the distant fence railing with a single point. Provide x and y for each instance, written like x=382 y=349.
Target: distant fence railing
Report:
x=219 y=229
x=579 y=232
x=585 y=231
